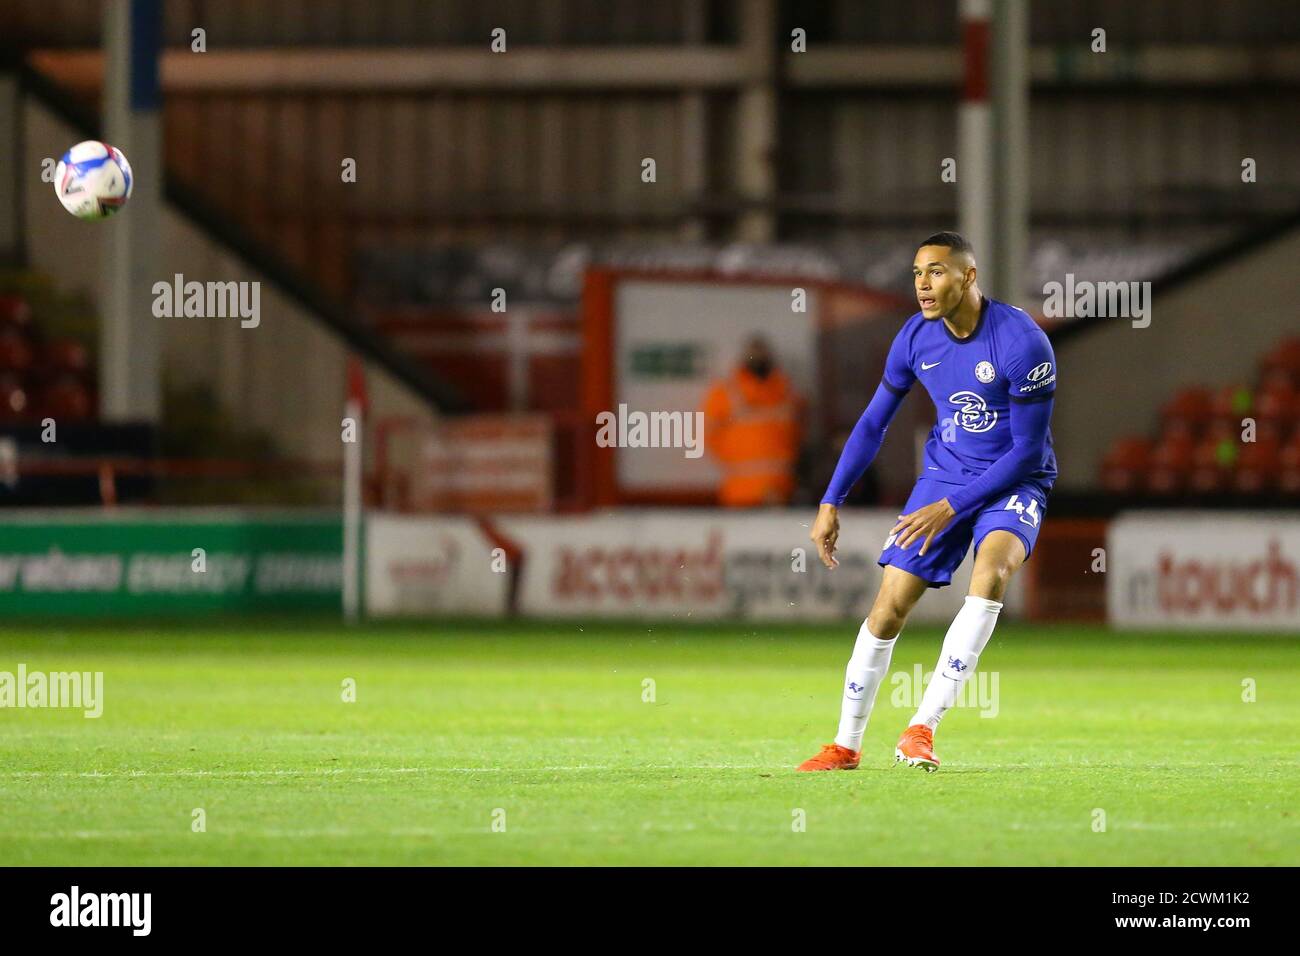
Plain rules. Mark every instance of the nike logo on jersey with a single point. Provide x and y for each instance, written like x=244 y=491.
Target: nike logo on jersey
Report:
x=926 y=368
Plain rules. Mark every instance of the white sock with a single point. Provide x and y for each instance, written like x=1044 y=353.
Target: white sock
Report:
x=867 y=667
x=967 y=635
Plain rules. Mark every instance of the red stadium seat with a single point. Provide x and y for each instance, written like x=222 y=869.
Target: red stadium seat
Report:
x=1222 y=430
x=1288 y=477
x=1284 y=357
x=1187 y=410
x=65 y=356
x=13 y=399
x=1275 y=406
x=66 y=400
x=1125 y=466
x=15 y=351
x=1276 y=429
x=1169 y=465
x=15 y=311
x=1175 y=428
x=1201 y=446
x=1232 y=403
x=1270 y=378
x=1212 y=463
x=1258 y=466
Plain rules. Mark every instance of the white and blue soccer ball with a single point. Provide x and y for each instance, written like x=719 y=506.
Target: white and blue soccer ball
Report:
x=93 y=180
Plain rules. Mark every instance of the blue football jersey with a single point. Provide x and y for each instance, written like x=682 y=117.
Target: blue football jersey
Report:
x=973 y=382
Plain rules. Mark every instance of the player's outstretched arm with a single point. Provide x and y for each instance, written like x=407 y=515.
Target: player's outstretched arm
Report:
x=859 y=451
x=825 y=532
x=863 y=443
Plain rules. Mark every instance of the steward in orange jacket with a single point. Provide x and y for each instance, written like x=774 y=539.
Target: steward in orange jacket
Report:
x=752 y=426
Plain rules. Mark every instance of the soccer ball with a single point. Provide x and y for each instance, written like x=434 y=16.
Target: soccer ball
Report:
x=93 y=180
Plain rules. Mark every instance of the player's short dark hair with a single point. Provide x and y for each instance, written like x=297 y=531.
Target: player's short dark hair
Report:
x=953 y=240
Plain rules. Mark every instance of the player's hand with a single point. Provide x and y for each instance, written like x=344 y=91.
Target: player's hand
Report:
x=825 y=531
x=928 y=521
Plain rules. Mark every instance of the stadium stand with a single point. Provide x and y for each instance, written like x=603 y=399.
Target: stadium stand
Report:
x=42 y=375
x=1240 y=438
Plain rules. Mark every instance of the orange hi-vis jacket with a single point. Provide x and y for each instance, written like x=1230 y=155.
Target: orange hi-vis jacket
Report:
x=752 y=427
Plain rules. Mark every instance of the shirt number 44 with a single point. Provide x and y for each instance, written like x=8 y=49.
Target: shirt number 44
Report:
x=1028 y=513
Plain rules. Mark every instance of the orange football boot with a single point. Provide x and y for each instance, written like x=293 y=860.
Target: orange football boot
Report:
x=833 y=757
x=916 y=748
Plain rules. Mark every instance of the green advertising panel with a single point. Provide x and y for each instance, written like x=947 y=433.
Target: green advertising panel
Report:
x=168 y=562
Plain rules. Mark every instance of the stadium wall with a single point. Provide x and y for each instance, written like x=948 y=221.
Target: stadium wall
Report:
x=656 y=564
x=1189 y=571
x=1198 y=570
x=1186 y=571
x=1210 y=331
x=130 y=562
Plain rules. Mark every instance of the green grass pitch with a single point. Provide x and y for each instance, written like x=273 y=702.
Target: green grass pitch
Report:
x=543 y=727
